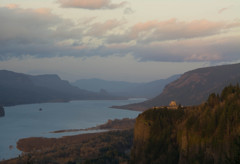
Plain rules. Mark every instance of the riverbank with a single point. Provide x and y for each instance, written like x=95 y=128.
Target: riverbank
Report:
x=107 y=147
x=116 y=124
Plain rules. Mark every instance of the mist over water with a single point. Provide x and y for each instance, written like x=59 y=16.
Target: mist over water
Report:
x=23 y=121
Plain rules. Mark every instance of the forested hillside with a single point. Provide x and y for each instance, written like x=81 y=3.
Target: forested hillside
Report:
x=208 y=133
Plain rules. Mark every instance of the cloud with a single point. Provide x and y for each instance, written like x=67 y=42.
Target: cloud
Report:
x=91 y=4
x=33 y=31
x=220 y=11
x=193 y=50
x=128 y=10
x=102 y=28
x=40 y=33
x=218 y=49
x=173 y=29
x=12 y=6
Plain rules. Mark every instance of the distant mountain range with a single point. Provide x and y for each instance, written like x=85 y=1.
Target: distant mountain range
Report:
x=126 y=89
x=18 y=88
x=193 y=87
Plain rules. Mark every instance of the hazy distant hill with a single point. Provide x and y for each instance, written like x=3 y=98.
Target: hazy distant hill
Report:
x=193 y=87
x=110 y=86
x=152 y=89
x=121 y=88
x=18 y=88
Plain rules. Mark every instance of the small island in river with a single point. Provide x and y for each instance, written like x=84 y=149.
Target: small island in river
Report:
x=2 y=112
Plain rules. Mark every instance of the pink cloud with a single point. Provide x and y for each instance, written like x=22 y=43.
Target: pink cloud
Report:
x=98 y=29
x=184 y=29
x=12 y=6
x=43 y=11
x=90 y=4
x=173 y=29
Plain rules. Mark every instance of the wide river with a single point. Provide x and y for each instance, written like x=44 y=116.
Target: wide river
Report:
x=23 y=121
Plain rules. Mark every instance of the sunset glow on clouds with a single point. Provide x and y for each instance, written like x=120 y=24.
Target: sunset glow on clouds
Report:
x=95 y=30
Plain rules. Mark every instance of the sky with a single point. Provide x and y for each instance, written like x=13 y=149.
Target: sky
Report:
x=122 y=40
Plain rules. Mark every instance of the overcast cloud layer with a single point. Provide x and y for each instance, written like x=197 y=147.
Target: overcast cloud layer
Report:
x=41 y=32
x=90 y=4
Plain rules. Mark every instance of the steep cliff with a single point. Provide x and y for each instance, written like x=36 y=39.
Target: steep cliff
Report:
x=194 y=87
x=208 y=133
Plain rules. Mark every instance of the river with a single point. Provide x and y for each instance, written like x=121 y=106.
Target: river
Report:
x=38 y=120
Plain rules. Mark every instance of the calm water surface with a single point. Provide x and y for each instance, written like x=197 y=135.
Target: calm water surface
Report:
x=23 y=121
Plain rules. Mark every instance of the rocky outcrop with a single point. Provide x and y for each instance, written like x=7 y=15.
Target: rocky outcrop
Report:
x=208 y=133
x=2 y=112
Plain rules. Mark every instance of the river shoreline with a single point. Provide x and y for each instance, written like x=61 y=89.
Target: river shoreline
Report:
x=35 y=145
